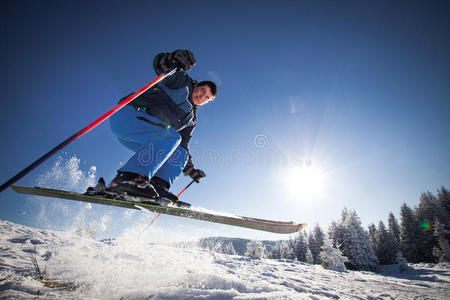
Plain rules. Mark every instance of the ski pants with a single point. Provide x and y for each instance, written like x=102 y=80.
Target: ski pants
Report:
x=155 y=146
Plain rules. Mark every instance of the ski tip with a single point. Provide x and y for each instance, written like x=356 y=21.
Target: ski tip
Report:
x=302 y=225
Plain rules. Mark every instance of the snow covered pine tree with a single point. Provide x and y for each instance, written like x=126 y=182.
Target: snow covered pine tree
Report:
x=256 y=250
x=332 y=258
x=355 y=243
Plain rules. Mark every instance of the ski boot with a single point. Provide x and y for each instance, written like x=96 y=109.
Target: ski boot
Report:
x=99 y=189
x=133 y=187
x=162 y=187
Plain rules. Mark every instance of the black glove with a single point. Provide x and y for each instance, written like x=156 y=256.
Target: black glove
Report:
x=195 y=174
x=183 y=59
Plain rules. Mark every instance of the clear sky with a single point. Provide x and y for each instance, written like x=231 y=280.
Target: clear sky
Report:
x=322 y=104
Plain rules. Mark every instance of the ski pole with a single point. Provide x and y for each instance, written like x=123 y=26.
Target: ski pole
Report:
x=84 y=130
x=193 y=180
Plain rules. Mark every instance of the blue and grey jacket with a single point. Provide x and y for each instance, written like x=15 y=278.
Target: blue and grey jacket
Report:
x=171 y=102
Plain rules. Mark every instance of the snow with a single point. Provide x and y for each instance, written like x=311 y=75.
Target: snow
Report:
x=141 y=263
x=67 y=174
x=128 y=267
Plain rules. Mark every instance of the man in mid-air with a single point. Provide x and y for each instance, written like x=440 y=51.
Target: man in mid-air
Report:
x=157 y=126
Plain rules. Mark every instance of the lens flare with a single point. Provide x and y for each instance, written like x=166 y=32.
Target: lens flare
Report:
x=425 y=225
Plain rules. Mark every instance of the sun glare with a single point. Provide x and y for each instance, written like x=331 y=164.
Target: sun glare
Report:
x=304 y=182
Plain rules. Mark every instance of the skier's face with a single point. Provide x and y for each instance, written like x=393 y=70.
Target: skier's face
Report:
x=202 y=95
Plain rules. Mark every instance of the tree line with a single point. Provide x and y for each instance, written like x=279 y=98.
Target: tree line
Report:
x=421 y=235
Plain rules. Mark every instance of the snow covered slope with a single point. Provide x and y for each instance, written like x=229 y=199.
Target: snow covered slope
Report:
x=80 y=267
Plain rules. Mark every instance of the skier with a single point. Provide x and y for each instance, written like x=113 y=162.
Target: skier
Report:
x=158 y=126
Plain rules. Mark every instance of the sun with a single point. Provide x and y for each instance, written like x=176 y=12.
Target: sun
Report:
x=304 y=182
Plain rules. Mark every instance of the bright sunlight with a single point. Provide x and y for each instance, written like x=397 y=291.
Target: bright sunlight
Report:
x=304 y=182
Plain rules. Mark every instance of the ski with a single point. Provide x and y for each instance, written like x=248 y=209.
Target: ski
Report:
x=228 y=219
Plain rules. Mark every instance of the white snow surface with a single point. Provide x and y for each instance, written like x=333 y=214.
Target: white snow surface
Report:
x=130 y=268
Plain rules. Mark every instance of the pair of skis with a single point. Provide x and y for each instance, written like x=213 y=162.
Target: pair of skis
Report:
x=215 y=217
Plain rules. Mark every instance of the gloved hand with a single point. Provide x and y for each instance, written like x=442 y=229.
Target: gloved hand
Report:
x=183 y=59
x=195 y=174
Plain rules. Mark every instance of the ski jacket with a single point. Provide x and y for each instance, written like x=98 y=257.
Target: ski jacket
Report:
x=171 y=102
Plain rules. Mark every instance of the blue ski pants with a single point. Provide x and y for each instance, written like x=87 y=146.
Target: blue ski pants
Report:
x=156 y=147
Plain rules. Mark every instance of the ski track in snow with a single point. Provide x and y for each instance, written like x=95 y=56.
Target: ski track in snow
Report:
x=130 y=268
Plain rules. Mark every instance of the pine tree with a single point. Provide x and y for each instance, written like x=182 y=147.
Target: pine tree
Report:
x=281 y=250
x=309 y=257
x=386 y=247
x=299 y=246
x=315 y=242
x=394 y=228
x=276 y=252
x=331 y=257
x=256 y=250
x=442 y=250
x=409 y=234
x=356 y=245
x=426 y=212
x=289 y=252
x=336 y=231
x=312 y=243
x=444 y=201
x=372 y=234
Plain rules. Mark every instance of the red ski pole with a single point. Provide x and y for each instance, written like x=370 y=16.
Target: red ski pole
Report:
x=193 y=180
x=84 y=130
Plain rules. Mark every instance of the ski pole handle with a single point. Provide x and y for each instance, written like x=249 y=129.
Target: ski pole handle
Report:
x=84 y=130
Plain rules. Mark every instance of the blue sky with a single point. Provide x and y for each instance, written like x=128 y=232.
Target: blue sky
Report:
x=355 y=91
